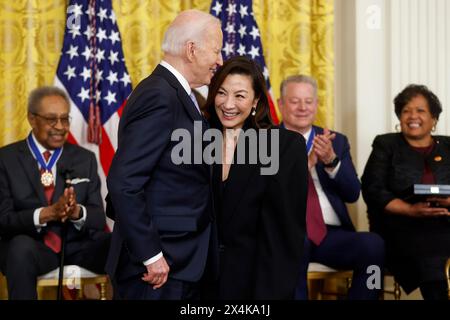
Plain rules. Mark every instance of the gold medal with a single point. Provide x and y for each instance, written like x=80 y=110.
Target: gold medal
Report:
x=47 y=179
x=438 y=159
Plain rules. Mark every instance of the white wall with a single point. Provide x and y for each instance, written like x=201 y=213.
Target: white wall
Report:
x=382 y=46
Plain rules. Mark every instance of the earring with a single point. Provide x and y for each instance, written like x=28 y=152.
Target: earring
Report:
x=433 y=129
x=254 y=112
x=397 y=127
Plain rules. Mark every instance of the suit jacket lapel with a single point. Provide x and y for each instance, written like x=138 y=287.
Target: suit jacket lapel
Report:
x=186 y=101
x=63 y=161
x=31 y=168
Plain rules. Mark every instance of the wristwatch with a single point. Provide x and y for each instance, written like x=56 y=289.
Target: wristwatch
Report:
x=333 y=163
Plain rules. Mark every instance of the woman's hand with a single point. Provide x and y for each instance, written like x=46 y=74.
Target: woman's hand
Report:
x=440 y=201
x=418 y=210
x=424 y=209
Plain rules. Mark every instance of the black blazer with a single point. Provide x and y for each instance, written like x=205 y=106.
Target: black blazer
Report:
x=416 y=247
x=159 y=205
x=21 y=192
x=261 y=222
x=393 y=167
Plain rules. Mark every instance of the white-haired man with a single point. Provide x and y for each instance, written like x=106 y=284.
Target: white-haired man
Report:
x=163 y=211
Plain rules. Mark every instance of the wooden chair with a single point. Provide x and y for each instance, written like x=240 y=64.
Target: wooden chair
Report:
x=396 y=291
x=75 y=277
x=321 y=273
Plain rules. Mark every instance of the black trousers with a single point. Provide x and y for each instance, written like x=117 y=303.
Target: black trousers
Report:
x=24 y=258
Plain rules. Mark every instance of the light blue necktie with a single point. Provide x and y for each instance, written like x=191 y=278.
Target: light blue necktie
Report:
x=194 y=100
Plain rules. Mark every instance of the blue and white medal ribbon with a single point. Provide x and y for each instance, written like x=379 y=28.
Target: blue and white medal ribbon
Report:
x=309 y=143
x=46 y=177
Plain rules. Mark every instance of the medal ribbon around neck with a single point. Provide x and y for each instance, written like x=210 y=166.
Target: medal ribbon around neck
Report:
x=46 y=166
x=309 y=143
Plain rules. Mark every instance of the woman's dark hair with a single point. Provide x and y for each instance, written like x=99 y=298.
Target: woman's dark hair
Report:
x=412 y=91
x=242 y=66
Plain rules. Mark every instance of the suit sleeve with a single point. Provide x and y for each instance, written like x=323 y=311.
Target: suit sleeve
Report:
x=375 y=178
x=346 y=183
x=283 y=225
x=144 y=136
x=13 y=222
x=93 y=203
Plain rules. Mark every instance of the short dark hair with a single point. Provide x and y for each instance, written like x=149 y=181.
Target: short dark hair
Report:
x=36 y=96
x=412 y=91
x=242 y=66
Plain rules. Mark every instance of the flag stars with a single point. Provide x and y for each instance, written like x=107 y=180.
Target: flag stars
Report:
x=254 y=52
x=86 y=74
x=241 y=51
x=83 y=95
x=230 y=28
x=87 y=53
x=74 y=30
x=110 y=97
x=217 y=8
x=70 y=72
x=254 y=33
x=112 y=77
x=231 y=9
x=242 y=31
x=99 y=77
x=101 y=35
x=266 y=73
x=72 y=52
x=100 y=55
x=125 y=79
x=76 y=9
x=114 y=37
x=89 y=33
x=243 y=11
x=102 y=14
x=228 y=49
x=113 y=17
x=113 y=57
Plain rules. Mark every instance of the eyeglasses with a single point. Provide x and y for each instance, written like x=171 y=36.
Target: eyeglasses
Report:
x=52 y=121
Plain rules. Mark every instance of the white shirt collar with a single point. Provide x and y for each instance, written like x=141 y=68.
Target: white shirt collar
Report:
x=181 y=79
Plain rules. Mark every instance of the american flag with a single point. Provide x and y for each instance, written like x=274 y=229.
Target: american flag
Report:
x=241 y=36
x=93 y=73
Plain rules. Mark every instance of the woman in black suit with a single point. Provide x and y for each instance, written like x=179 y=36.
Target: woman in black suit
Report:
x=260 y=206
x=417 y=234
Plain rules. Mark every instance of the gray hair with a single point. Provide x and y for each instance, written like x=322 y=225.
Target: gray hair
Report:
x=36 y=96
x=189 y=25
x=298 y=79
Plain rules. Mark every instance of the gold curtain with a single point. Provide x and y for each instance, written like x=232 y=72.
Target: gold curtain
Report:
x=297 y=37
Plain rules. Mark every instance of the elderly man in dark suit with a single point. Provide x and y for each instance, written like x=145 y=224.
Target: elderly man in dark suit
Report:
x=163 y=210
x=34 y=200
x=332 y=239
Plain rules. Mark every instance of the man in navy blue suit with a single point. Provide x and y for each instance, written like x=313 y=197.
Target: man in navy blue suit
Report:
x=163 y=234
x=332 y=239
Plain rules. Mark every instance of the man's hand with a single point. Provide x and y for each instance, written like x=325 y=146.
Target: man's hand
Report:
x=157 y=273
x=73 y=210
x=323 y=147
x=56 y=211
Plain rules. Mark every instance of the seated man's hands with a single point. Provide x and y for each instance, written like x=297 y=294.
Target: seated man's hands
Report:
x=323 y=147
x=55 y=212
x=73 y=210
